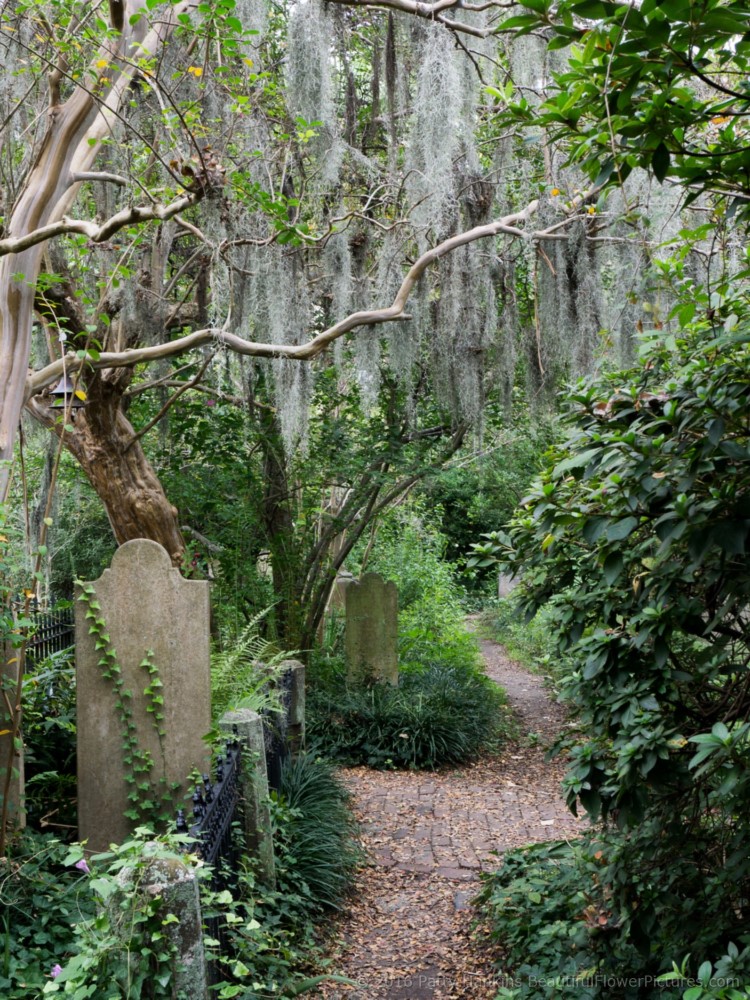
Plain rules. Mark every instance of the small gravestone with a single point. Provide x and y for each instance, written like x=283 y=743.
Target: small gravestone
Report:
x=150 y=611
x=371 y=642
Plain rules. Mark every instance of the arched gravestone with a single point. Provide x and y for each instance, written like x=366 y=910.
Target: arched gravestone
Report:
x=147 y=605
x=371 y=641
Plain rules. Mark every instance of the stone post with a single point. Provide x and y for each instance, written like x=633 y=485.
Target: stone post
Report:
x=147 y=607
x=177 y=885
x=371 y=641
x=295 y=729
x=258 y=831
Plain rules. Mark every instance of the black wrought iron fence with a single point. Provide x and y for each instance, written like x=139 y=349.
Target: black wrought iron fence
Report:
x=275 y=726
x=217 y=835
x=54 y=631
x=215 y=812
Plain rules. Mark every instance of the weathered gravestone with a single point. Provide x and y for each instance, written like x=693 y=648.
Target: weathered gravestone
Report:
x=149 y=612
x=371 y=641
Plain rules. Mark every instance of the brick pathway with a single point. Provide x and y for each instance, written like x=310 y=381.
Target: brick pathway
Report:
x=428 y=837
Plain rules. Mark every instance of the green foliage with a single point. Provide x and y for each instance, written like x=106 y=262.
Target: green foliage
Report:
x=49 y=731
x=660 y=87
x=479 y=493
x=125 y=949
x=243 y=668
x=561 y=932
x=314 y=842
x=640 y=527
x=272 y=931
x=436 y=717
x=431 y=619
x=41 y=899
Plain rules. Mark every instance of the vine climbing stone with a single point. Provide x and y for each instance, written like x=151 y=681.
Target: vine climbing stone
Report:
x=143 y=691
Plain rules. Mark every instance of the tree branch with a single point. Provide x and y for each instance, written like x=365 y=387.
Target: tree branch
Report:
x=39 y=380
x=94 y=175
x=434 y=12
x=99 y=234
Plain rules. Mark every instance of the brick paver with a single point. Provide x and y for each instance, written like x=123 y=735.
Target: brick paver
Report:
x=428 y=838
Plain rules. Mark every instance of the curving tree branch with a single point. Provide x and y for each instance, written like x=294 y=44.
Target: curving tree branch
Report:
x=38 y=381
x=100 y=233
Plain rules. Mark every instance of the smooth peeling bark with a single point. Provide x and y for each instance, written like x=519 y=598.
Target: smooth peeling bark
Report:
x=71 y=143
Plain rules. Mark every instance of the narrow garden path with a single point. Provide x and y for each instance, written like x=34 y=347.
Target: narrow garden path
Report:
x=427 y=838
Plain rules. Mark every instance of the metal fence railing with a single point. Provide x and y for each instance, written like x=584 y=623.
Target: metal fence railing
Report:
x=54 y=631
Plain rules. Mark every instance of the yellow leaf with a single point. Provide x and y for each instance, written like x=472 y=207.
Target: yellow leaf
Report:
x=547 y=542
x=248 y=62
x=197 y=71
x=102 y=63
x=4 y=732
x=80 y=394
x=3 y=538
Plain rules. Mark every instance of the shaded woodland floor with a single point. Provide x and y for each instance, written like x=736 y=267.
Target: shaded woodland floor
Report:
x=427 y=837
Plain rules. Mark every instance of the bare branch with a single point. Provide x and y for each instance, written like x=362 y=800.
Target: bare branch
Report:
x=433 y=12
x=47 y=376
x=93 y=175
x=99 y=234
x=169 y=403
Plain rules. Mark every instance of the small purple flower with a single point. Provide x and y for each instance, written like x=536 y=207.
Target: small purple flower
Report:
x=56 y=970
x=82 y=866
x=210 y=402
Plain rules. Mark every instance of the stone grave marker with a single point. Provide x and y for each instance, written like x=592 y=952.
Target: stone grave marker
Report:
x=371 y=640
x=149 y=609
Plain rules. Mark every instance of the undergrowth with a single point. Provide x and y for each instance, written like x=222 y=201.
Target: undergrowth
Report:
x=564 y=935
x=436 y=717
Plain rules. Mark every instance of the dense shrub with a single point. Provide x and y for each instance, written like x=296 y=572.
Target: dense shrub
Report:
x=563 y=935
x=639 y=530
x=436 y=717
x=431 y=616
x=41 y=899
x=49 y=906
x=49 y=730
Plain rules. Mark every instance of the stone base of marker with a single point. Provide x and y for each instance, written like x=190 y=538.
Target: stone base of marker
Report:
x=11 y=756
x=258 y=830
x=176 y=885
x=371 y=639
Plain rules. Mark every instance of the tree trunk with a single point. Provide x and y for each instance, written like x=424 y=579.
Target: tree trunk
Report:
x=102 y=440
x=71 y=143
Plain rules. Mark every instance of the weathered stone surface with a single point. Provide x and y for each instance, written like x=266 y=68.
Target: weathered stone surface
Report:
x=371 y=642
x=147 y=606
x=344 y=579
x=258 y=832
x=177 y=887
x=295 y=729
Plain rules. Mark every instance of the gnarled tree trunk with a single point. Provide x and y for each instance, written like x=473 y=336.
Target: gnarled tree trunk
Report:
x=103 y=441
